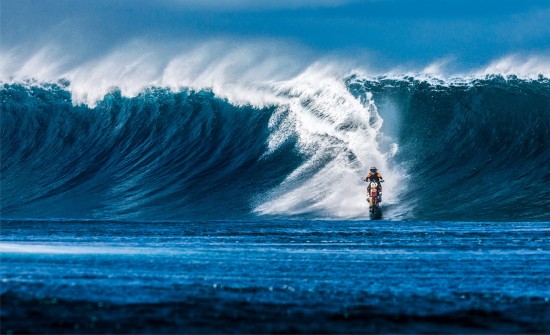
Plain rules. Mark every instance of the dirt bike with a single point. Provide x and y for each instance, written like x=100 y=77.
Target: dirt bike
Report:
x=373 y=198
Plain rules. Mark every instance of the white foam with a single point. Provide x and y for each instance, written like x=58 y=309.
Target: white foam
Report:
x=64 y=249
x=340 y=136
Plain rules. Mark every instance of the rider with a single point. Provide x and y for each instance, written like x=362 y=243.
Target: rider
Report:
x=377 y=178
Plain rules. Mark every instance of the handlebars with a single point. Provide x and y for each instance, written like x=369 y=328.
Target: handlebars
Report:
x=379 y=181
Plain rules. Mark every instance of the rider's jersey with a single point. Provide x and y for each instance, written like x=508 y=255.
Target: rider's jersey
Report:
x=376 y=177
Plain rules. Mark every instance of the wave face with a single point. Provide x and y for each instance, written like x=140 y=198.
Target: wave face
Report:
x=159 y=155
x=476 y=150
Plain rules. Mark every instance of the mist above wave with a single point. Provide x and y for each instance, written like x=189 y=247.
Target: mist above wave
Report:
x=234 y=69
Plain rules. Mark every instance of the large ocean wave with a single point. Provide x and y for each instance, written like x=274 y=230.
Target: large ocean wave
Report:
x=243 y=139
x=475 y=151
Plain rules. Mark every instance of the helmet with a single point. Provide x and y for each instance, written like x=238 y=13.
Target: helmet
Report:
x=373 y=169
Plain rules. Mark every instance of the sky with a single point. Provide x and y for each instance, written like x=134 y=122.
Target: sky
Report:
x=388 y=33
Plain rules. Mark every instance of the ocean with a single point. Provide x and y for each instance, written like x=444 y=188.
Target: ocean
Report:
x=275 y=276
x=198 y=211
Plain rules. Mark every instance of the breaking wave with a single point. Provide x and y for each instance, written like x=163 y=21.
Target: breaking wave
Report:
x=196 y=145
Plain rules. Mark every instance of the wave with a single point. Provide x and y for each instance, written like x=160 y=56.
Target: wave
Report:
x=257 y=133
x=475 y=151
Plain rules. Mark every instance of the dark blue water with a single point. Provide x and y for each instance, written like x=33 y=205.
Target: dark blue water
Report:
x=275 y=276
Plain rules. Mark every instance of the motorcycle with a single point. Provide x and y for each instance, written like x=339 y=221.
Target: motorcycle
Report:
x=373 y=197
